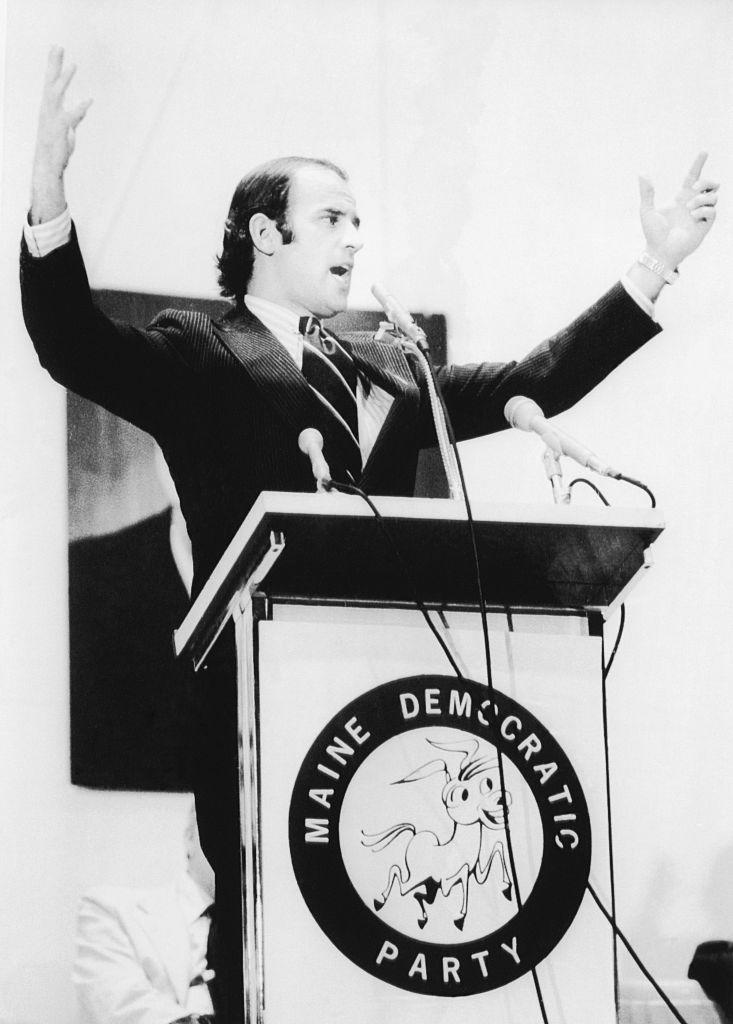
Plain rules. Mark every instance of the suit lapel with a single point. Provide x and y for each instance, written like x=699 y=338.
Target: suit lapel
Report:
x=277 y=377
x=383 y=363
x=271 y=368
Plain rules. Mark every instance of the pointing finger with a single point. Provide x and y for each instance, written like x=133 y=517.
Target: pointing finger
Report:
x=646 y=193
x=694 y=172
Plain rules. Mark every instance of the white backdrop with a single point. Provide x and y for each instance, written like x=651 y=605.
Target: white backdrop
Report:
x=494 y=150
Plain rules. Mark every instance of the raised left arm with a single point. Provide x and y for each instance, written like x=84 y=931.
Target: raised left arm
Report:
x=556 y=374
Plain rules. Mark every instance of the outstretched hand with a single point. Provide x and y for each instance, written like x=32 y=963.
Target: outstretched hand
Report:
x=55 y=140
x=675 y=231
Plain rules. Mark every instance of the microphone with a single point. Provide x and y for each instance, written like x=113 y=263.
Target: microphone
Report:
x=524 y=414
x=310 y=442
x=398 y=315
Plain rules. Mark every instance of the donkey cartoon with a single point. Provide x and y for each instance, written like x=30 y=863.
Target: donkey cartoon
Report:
x=474 y=802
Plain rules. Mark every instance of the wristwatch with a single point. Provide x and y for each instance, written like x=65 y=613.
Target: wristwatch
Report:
x=658 y=268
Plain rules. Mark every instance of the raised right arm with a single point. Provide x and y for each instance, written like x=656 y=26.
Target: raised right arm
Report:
x=129 y=371
x=55 y=140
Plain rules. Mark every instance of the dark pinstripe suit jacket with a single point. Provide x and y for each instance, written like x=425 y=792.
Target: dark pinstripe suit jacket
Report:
x=229 y=426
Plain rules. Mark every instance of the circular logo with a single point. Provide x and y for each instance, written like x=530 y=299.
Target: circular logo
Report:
x=442 y=844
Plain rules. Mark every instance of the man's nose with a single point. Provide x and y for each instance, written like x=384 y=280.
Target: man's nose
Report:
x=351 y=238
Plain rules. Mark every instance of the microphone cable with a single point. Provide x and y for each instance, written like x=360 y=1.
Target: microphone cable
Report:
x=611 y=916
x=419 y=349
x=335 y=485
x=487 y=652
x=607 y=503
x=626 y=479
x=640 y=485
x=589 y=483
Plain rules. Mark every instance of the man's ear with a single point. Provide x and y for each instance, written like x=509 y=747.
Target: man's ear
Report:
x=264 y=234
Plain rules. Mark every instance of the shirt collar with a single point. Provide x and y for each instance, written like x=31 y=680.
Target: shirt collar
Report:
x=276 y=318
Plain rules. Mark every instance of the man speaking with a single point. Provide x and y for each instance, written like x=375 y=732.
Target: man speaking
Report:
x=227 y=400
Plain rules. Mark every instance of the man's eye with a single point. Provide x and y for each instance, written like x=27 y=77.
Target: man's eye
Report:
x=332 y=218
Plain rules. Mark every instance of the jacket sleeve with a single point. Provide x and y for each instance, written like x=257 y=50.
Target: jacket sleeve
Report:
x=556 y=374
x=129 y=371
x=113 y=982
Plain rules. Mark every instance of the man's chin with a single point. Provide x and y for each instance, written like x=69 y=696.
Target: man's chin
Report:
x=333 y=309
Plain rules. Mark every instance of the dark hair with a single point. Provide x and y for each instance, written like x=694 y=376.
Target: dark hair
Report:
x=264 y=190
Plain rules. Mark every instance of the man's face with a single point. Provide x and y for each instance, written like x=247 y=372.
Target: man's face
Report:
x=312 y=273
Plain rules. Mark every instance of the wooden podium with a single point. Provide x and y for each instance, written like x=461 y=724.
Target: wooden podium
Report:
x=386 y=868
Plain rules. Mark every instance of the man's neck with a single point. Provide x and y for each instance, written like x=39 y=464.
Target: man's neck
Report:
x=259 y=290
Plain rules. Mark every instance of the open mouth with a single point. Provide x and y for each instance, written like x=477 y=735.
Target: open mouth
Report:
x=340 y=271
x=497 y=819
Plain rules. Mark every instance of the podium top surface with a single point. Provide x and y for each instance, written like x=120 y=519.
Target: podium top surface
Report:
x=531 y=556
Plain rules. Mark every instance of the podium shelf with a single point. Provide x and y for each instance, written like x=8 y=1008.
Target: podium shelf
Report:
x=541 y=557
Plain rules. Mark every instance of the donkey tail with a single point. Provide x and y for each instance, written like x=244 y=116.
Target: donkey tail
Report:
x=379 y=840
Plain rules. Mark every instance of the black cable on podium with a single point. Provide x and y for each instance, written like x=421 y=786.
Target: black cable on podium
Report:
x=611 y=916
x=335 y=485
x=352 y=489
x=606 y=750
x=487 y=654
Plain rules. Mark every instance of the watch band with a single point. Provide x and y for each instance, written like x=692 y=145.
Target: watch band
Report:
x=658 y=268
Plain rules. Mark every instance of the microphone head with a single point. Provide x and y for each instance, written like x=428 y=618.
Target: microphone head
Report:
x=309 y=439
x=383 y=297
x=520 y=411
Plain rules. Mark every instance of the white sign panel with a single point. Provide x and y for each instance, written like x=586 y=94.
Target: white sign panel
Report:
x=391 y=884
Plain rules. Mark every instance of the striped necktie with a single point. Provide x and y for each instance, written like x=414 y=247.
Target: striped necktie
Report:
x=331 y=375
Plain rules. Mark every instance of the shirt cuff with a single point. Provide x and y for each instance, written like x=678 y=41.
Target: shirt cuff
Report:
x=42 y=239
x=639 y=297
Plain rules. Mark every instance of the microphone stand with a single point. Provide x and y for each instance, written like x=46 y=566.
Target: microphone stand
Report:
x=417 y=346
x=553 y=471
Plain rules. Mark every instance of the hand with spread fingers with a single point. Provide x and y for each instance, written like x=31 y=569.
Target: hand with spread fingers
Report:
x=675 y=231
x=55 y=139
